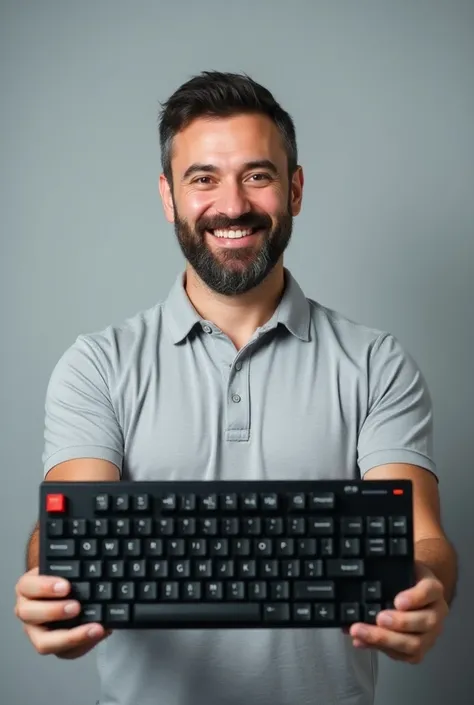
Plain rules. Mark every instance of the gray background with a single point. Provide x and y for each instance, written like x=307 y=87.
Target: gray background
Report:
x=382 y=94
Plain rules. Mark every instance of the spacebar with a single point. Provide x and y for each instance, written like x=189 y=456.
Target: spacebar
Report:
x=203 y=612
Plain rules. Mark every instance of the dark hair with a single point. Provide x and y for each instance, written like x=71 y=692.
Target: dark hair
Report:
x=213 y=93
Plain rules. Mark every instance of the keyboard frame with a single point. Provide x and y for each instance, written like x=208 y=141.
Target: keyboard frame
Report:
x=397 y=571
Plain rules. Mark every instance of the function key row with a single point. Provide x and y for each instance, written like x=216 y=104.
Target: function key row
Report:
x=190 y=502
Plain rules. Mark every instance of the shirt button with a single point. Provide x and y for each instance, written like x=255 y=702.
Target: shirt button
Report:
x=238 y=366
x=207 y=329
x=235 y=398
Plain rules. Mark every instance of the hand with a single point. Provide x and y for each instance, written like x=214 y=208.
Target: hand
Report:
x=34 y=611
x=408 y=632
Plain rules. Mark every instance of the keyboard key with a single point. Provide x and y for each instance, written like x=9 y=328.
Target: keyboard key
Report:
x=351 y=526
x=65 y=569
x=350 y=547
x=322 y=500
x=314 y=590
x=250 y=500
x=229 y=502
x=189 y=613
x=55 y=527
x=350 y=612
x=371 y=612
x=398 y=547
x=116 y=614
x=276 y=612
x=141 y=503
x=376 y=526
x=269 y=501
x=168 y=502
x=209 y=502
x=371 y=591
x=302 y=613
x=324 y=612
x=102 y=503
x=121 y=503
x=375 y=547
x=398 y=525
x=344 y=568
x=61 y=549
x=321 y=527
x=81 y=591
x=92 y=613
x=147 y=591
x=296 y=501
x=78 y=527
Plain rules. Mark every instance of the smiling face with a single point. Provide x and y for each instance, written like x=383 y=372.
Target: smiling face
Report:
x=232 y=204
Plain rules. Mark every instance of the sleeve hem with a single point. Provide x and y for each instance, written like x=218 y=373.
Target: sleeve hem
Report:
x=394 y=455
x=75 y=452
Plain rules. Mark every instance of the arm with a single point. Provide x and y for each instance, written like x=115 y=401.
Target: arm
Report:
x=396 y=442
x=432 y=547
x=77 y=470
x=83 y=442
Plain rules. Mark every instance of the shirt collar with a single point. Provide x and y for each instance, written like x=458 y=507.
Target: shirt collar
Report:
x=293 y=311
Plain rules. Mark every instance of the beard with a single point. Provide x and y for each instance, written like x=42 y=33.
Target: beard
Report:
x=232 y=271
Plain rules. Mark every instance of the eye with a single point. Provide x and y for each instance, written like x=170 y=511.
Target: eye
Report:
x=261 y=177
x=201 y=180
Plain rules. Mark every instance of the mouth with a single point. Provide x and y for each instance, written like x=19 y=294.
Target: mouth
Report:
x=234 y=237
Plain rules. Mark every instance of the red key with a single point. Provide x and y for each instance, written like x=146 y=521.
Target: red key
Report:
x=55 y=503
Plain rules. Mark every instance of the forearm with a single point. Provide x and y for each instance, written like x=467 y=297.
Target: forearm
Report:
x=439 y=556
x=32 y=550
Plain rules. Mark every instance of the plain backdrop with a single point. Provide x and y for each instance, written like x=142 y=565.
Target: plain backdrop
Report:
x=382 y=94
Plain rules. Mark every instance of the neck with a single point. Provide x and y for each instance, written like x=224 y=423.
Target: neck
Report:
x=237 y=316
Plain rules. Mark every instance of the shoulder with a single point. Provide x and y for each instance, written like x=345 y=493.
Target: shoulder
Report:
x=376 y=350
x=334 y=327
x=116 y=346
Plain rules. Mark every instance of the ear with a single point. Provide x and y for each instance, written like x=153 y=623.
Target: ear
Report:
x=166 y=198
x=296 y=187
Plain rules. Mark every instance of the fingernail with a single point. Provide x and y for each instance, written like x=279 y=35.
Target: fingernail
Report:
x=60 y=586
x=94 y=632
x=362 y=632
x=402 y=603
x=70 y=607
x=385 y=620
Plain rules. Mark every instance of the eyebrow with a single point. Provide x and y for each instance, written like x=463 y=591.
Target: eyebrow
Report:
x=212 y=169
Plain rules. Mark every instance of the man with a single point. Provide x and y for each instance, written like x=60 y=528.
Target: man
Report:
x=238 y=375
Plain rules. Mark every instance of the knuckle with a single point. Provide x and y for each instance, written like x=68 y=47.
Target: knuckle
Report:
x=414 y=648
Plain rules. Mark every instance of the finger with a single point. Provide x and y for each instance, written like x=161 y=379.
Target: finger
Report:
x=60 y=641
x=424 y=593
x=414 y=622
x=380 y=638
x=42 y=611
x=34 y=586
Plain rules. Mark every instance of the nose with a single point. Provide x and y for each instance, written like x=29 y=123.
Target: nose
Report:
x=232 y=200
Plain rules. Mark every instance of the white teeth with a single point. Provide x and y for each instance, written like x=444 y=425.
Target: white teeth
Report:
x=232 y=234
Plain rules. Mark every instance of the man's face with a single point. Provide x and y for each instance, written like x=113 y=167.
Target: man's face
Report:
x=231 y=202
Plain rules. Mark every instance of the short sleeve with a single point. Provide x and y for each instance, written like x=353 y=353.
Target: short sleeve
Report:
x=80 y=420
x=398 y=427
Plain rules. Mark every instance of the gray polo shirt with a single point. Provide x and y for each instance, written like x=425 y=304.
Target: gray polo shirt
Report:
x=166 y=395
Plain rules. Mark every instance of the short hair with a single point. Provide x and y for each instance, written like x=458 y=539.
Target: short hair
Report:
x=217 y=94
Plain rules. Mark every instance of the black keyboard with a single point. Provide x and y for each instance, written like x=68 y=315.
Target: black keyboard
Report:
x=228 y=554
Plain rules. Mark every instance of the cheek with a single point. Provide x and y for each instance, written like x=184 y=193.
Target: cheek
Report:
x=268 y=201
x=197 y=204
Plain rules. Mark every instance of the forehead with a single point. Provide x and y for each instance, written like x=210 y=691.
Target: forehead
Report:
x=228 y=142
